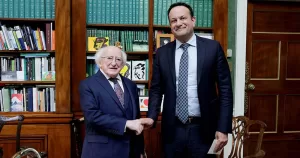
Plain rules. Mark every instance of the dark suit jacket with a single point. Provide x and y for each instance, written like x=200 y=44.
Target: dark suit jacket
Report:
x=105 y=119
x=212 y=68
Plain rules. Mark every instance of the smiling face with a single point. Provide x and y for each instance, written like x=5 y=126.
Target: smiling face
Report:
x=182 y=23
x=111 y=61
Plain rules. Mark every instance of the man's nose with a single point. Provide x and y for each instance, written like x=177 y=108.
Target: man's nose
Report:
x=113 y=62
x=178 y=23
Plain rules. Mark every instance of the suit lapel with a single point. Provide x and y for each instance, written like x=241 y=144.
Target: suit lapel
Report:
x=106 y=85
x=131 y=96
x=200 y=58
x=172 y=61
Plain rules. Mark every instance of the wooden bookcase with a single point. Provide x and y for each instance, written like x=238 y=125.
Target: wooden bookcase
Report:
x=79 y=44
x=46 y=131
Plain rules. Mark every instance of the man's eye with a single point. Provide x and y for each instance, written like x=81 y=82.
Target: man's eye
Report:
x=119 y=60
x=109 y=57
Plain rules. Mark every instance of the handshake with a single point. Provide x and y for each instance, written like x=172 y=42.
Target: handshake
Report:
x=139 y=125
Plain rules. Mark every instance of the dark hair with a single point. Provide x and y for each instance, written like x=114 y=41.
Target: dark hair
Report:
x=181 y=4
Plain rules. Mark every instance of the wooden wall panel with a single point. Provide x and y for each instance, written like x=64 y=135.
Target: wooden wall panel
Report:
x=8 y=143
x=54 y=139
x=78 y=49
x=220 y=22
x=153 y=145
x=62 y=56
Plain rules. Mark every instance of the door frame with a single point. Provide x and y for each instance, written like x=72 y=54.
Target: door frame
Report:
x=240 y=59
x=240 y=64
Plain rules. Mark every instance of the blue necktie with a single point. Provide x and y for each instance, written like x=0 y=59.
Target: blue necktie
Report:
x=182 y=95
x=118 y=90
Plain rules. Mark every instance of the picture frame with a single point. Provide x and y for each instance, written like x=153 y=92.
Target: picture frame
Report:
x=162 y=39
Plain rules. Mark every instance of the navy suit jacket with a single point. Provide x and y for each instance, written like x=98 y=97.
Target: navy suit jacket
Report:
x=213 y=75
x=105 y=119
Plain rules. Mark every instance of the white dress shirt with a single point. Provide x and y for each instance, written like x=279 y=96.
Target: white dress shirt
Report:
x=111 y=82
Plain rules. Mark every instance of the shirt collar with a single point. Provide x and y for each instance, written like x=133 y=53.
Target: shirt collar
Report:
x=107 y=77
x=192 y=42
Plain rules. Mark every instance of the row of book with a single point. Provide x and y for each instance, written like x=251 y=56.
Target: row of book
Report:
x=40 y=98
x=130 y=40
x=203 y=11
x=25 y=38
x=117 y=11
x=41 y=9
x=135 y=70
x=142 y=90
x=27 y=68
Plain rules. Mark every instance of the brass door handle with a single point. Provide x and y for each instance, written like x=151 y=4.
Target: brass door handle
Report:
x=251 y=86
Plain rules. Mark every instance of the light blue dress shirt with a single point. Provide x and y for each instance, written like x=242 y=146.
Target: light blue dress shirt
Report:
x=193 y=102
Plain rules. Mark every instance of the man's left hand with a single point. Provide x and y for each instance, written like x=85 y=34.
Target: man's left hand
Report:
x=221 y=141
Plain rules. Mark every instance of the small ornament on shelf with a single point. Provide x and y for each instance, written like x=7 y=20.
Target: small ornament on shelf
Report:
x=118 y=44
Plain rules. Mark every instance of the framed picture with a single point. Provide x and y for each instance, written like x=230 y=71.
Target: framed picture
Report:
x=163 y=39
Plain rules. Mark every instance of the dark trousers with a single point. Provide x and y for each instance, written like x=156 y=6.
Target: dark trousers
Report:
x=188 y=142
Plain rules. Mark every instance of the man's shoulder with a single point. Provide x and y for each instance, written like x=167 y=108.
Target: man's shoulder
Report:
x=88 y=80
x=166 y=48
x=207 y=41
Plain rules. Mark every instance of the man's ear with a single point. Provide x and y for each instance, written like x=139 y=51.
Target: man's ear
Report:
x=99 y=65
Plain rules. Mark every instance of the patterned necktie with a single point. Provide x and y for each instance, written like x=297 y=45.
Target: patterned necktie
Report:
x=118 y=90
x=182 y=96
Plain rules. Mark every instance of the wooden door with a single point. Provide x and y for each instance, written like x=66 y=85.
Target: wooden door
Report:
x=273 y=76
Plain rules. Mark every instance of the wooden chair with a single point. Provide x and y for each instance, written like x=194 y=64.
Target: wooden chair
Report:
x=76 y=137
x=240 y=132
x=20 y=119
x=29 y=152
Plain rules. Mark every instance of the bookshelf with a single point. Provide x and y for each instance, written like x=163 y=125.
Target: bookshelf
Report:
x=80 y=24
x=43 y=130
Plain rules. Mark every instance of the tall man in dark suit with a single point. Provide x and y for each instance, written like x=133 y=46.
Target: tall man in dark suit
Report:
x=110 y=106
x=186 y=71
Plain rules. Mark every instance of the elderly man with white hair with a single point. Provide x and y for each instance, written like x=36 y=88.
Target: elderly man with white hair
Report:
x=110 y=106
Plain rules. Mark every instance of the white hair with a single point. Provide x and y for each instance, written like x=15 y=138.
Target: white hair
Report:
x=99 y=54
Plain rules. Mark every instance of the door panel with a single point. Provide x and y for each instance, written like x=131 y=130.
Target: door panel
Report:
x=293 y=60
x=291 y=114
x=266 y=55
x=273 y=76
x=264 y=107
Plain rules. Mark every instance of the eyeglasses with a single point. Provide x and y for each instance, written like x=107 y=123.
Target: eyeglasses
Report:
x=118 y=60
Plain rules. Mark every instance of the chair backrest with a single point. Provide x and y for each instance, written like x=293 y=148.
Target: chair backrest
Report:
x=29 y=152
x=77 y=142
x=240 y=132
x=20 y=119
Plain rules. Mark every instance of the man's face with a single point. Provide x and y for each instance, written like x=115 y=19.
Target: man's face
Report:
x=111 y=61
x=181 y=22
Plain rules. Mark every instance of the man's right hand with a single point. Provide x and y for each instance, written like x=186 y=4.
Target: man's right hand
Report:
x=147 y=122
x=135 y=125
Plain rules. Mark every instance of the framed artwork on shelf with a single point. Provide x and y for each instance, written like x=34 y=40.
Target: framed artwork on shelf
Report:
x=163 y=39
